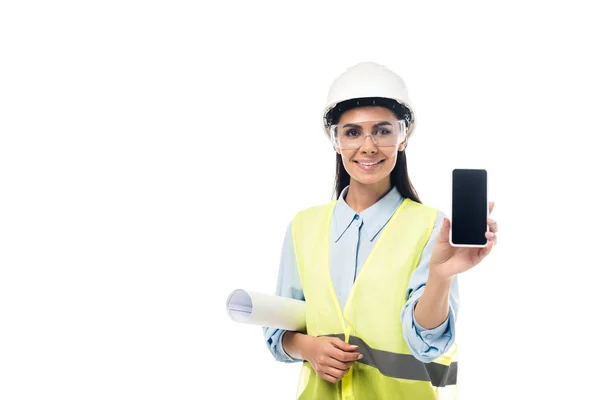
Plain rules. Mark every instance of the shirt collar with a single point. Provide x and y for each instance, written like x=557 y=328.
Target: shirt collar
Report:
x=343 y=215
x=373 y=218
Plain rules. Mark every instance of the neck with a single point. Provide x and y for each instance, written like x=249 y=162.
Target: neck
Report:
x=360 y=196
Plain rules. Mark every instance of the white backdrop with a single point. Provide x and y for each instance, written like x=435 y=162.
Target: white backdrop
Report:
x=153 y=153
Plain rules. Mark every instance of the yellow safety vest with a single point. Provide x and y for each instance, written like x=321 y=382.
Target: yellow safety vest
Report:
x=371 y=318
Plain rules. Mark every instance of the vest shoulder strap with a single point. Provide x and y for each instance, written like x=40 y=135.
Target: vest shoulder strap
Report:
x=307 y=228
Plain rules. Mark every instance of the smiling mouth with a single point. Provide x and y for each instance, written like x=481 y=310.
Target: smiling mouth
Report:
x=369 y=164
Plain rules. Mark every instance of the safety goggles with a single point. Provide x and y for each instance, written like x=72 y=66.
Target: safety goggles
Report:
x=352 y=135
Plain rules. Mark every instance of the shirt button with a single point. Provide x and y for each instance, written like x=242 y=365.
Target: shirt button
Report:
x=356 y=216
x=429 y=336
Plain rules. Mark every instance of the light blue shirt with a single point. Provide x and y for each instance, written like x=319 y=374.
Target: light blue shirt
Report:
x=352 y=237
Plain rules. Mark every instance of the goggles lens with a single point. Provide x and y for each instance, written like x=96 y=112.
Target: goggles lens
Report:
x=352 y=135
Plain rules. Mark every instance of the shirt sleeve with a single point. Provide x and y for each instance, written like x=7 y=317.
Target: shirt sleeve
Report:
x=288 y=285
x=428 y=344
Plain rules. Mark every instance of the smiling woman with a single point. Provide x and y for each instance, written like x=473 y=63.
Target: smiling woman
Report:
x=369 y=141
x=374 y=266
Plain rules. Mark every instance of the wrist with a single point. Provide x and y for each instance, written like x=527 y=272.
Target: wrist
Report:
x=436 y=281
x=305 y=345
x=297 y=344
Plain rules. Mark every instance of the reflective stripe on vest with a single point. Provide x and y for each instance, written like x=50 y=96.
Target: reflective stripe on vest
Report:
x=371 y=317
x=404 y=366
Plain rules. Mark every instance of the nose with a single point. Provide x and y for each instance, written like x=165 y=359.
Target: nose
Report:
x=368 y=145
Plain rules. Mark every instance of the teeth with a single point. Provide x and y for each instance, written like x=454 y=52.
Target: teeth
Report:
x=373 y=163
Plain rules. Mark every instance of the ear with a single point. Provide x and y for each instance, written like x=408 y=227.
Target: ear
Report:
x=402 y=146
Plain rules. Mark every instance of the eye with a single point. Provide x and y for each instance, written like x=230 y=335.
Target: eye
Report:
x=352 y=132
x=383 y=131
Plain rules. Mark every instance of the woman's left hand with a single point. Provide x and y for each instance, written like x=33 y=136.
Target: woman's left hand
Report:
x=447 y=260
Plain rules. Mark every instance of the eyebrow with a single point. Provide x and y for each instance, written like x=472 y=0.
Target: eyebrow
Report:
x=377 y=125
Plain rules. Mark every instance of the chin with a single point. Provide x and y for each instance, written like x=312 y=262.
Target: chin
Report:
x=365 y=179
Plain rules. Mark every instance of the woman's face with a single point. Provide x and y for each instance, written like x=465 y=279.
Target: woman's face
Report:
x=370 y=163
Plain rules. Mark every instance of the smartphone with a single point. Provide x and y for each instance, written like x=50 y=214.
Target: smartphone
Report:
x=470 y=208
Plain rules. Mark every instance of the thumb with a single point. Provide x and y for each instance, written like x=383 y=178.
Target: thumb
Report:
x=444 y=235
x=340 y=344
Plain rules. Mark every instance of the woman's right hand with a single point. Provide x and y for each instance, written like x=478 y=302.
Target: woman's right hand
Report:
x=331 y=357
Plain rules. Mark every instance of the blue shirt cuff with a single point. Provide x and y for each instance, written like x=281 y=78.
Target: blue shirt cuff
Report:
x=426 y=344
x=431 y=336
x=274 y=342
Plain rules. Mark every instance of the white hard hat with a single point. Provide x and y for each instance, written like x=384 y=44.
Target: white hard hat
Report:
x=368 y=83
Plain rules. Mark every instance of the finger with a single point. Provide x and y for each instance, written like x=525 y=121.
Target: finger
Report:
x=491 y=236
x=486 y=250
x=336 y=373
x=493 y=224
x=340 y=344
x=491 y=205
x=342 y=366
x=329 y=378
x=444 y=235
x=344 y=356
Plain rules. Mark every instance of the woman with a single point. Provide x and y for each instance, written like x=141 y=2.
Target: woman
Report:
x=374 y=266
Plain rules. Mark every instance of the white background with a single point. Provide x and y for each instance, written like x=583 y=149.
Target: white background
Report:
x=153 y=153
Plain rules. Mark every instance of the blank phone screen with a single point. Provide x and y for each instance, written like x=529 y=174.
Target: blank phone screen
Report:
x=469 y=206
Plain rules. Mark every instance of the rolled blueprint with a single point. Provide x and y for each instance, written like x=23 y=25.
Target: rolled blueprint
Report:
x=267 y=310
